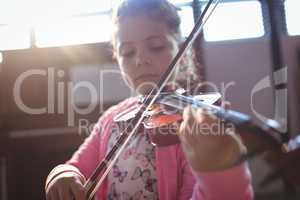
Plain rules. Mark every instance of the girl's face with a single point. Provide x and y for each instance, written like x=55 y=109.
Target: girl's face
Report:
x=144 y=49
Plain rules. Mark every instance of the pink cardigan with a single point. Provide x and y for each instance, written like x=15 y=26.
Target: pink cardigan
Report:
x=174 y=175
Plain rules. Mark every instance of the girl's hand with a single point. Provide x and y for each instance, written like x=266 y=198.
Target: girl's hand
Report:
x=66 y=186
x=207 y=144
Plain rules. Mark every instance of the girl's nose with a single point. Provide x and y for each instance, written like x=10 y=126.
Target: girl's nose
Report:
x=142 y=58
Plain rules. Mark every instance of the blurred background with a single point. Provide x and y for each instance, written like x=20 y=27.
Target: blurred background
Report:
x=57 y=76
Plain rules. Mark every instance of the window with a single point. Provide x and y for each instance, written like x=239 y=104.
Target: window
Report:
x=34 y=11
x=56 y=22
x=187 y=20
x=80 y=30
x=76 y=30
x=176 y=2
x=292 y=16
x=235 y=20
x=64 y=22
x=14 y=37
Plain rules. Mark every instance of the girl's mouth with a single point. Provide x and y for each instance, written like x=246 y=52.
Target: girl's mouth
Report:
x=149 y=78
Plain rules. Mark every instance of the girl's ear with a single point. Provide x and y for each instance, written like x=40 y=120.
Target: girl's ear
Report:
x=114 y=55
x=113 y=52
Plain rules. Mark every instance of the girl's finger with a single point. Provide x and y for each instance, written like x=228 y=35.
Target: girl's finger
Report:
x=77 y=190
x=49 y=196
x=53 y=195
x=226 y=105
x=188 y=115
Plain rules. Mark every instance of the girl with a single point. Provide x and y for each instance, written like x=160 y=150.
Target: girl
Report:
x=146 y=38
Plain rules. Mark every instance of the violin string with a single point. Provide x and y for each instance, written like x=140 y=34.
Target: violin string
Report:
x=150 y=99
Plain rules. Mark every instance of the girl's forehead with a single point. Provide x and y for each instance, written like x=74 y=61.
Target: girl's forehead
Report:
x=140 y=28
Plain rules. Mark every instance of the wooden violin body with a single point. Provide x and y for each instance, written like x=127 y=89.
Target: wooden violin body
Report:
x=163 y=119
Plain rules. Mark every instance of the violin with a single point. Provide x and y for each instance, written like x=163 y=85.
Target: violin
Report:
x=162 y=120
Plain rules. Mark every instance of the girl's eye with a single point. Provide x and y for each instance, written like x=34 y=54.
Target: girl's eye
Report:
x=157 y=48
x=127 y=53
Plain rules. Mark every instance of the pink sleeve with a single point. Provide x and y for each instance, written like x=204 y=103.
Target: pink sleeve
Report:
x=233 y=184
x=93 y=149
x=87 y=156
x=85 y=159
x=188 y=179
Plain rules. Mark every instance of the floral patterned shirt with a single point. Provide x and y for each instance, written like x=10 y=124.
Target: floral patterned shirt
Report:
x=133 y=176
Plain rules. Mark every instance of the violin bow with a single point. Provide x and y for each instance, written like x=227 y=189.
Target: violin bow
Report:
x=104 y=167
